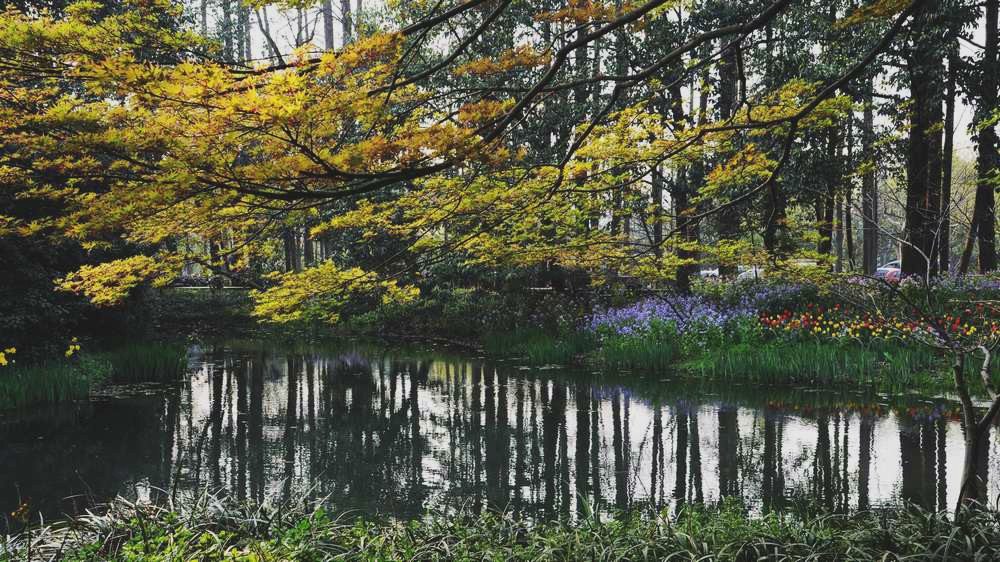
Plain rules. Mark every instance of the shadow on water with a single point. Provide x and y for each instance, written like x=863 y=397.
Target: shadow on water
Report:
x=381 y=430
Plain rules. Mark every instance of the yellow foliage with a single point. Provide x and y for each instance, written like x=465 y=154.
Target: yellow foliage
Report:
x=319 y=293
x=110 y=282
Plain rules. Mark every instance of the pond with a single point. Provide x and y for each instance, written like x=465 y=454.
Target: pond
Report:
x=384 y=430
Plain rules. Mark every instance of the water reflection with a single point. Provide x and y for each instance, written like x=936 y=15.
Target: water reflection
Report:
x=387 y=432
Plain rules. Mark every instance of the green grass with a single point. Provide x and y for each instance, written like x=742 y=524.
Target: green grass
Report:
x=893 y=368
x=539 y=347
x=147 y=362
x=51 y=382
x=648 y=351
x=217 y=530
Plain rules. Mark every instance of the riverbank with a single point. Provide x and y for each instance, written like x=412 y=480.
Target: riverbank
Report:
x=213 y=530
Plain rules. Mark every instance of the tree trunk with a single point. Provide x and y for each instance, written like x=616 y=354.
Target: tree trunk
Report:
x=944 y=254
x=869 y=189
x=327 y=9
x=922 y=198
x=729 y=216
x=984 y=214
x=227 y=30
x=972 y=489
x=346 y=21
x=681 y=195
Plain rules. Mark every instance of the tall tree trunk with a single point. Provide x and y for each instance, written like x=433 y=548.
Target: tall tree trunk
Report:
x=849 y=201
x=922 y=198
x=227 y=30
x=944 y=254
x=346 y=21
x=984 y=214
x=656 y=196
x=204 y=17
x=327 y=10
x=246 y=47
x=934 y=172
x=869 y=188
x=681 y=196
x=729 y=216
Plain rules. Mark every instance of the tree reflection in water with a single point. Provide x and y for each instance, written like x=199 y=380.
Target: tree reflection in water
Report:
x=382 y=431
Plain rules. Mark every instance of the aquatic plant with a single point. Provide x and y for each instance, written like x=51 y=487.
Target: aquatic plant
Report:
x=147 y=362
x=888 y=367
x=54 y=381
x=538 y=347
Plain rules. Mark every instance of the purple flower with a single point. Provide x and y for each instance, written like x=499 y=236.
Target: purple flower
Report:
x=684 y=312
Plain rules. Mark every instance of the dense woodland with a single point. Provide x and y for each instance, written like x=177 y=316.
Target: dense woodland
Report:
x=329 y=153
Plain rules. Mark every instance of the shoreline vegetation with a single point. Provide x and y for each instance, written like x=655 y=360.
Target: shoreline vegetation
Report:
x=218 y=529
x=80 y=374
x=759 y=333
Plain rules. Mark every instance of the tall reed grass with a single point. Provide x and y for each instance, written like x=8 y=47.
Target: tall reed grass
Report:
x=889 y=367
x=51 y=382
x=539 y=347
x=147 y=362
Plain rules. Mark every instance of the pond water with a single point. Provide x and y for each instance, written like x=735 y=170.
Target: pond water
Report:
x=383 y=430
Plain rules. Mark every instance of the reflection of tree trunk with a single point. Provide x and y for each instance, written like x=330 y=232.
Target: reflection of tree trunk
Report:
x=657 y=460
x=696 y=478
x=729 y=438
x=241 y=432
x=503 y=441
x=928 y=450
x=681 y=454
x=559 y=404
x=215 y=439
x=910 y=458
x=256 y=429
x=621 y=493
x=942 y=459
x=291 y=424
x=867 y=432
x=492 y=465
x=416 y=442
x=520 y=448
x=475 y=436
x=550 y=436
x=311 y=417
x=595 y=451
x=771 y=460
x=582 y=399
x=822 y=482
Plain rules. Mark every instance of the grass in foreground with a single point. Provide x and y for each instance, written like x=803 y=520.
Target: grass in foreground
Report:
x=216 y=531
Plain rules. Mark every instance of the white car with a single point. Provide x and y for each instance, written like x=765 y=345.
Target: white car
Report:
x=889 y=271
